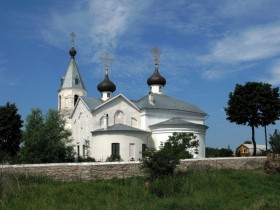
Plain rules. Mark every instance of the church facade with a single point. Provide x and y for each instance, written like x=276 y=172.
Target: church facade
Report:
x=114 y=125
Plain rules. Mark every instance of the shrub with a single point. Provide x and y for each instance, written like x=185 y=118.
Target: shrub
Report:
x=114 y=158
x=216 y=152
x=162 y=162
x=85 y=159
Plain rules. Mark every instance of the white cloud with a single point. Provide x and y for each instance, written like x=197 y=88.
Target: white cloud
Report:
x=186 y=17
x=212 y=74
x=221 y=70
x=98 y=25
x=239 y=52
x=119 y=26
x=253 y=44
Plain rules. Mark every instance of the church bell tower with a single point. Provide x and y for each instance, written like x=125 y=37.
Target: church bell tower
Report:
x=72 y=87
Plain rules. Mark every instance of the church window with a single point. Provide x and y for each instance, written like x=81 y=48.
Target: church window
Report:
x=115 y=149
x=76 y=81
x=108 y=95
x=160 y=88
x=78 y=150
x=59 y=103
x=76 y=97
x=119 y=117
x=132 y=150
x=144 y=147
x=84 y=151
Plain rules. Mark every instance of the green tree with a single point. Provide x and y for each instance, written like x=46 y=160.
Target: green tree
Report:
x=211 y=152
x=216 y=152
x=225 y=152
x=10 y=130
x=247 y=142
x=253 y=104
x=274 y=141
x=45 y=140
x=162 y=162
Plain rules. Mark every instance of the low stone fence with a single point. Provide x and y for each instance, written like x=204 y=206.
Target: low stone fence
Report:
x=106 y=170
x=219 y=163
x=272 y=165
x=272 y=156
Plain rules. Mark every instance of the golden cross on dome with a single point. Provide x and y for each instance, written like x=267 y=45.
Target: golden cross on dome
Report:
x=73 y=38
x=106 y=59
x=156 y=53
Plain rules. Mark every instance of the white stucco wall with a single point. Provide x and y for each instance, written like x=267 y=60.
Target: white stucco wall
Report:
x=66 y=103
x=67 y=98
x=101 y=143
x=162 y=135
x=119 y=104
x=82 y=122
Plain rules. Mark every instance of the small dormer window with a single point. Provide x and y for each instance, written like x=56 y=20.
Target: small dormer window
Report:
x=108 y=95
x=76 y=81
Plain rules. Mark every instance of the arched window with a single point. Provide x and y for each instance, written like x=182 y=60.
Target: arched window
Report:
x=119 y=117
x=59 y=103
x=76 y=97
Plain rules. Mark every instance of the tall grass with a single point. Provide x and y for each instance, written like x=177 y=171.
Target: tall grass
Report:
x=9 y=185
x=209 y=189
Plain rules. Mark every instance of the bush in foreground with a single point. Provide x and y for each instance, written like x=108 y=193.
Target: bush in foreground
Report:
x=162 y=162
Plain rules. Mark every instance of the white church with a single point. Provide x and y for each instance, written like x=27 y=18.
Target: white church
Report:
x=115 y=125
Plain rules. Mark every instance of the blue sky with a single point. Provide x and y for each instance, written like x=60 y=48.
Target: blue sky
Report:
x=207 y=47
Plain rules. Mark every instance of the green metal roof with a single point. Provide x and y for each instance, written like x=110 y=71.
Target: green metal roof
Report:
x=119 y=127
x=91 y=103
x=162 y=101
x=177 y=122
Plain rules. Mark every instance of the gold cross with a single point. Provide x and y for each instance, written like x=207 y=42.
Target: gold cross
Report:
x=73 y=36
x=156 y=53
x=106 y=59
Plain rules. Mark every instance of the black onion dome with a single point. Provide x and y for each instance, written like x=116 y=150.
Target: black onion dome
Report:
x=156 y=79
x=106 y=85
x=72 y=52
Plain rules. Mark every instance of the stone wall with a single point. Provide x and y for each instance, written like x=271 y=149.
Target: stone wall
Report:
x=272 y=164
x=94 y=171
x=272 y=156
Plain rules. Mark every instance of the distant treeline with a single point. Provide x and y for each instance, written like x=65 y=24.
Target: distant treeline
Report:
x=216 y=152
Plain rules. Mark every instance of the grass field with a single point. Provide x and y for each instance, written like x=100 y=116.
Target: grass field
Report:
x=208 y=189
